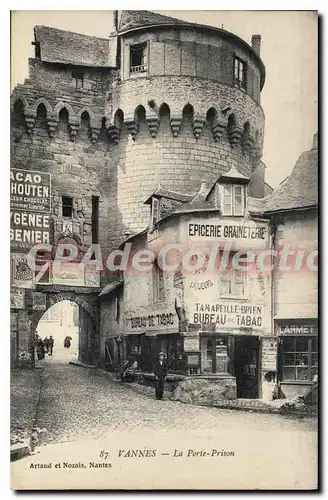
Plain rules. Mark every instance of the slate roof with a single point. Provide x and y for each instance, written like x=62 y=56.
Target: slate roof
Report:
x=166 y=193
x=300 y=189
x=131 y=19
x=67 y=47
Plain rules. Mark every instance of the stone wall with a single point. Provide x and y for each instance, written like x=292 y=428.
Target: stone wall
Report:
x=297 y=291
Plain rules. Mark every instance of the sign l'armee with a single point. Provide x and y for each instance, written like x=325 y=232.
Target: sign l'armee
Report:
x=30 y=205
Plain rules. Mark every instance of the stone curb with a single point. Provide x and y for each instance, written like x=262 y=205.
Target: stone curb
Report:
x=21 y=450
x=81 y=365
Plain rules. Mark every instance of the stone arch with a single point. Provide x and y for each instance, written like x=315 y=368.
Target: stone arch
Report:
x=118 y=119
x=63 y=119
x=86 y=109
x=140 y=114
x=211 y=115
x=85 y=123
x=23 y=100
x=164 y=110
x=188 y=111
x=46 y=104
x=55 y=297
x=18 y=114
x=232 y=122
x=60 y=106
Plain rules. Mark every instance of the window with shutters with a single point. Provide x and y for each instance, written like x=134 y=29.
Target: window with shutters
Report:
x=233 y=281
x=240 y=73
x=233 y=199
x=158 y=283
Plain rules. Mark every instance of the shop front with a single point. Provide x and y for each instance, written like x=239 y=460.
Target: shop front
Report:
x=297 y=355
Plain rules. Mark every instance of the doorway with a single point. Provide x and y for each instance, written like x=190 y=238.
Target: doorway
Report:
x=246 y=361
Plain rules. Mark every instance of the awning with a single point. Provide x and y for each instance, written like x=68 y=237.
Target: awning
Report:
x=127 y=334
x=110 y=288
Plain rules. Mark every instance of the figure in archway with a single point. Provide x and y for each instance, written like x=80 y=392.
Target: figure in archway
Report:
x=67 y=341
x=40 y=349
x=51 y=345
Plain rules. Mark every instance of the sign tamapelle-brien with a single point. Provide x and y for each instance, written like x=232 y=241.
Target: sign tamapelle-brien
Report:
x=164 y=251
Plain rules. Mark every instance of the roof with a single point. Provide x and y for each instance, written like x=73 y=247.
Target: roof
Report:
x=166 y=193
x=267 y=189
x=131 y=19
x=300 y=189
x=233 y=174
x=67 y=47
x=110 y=288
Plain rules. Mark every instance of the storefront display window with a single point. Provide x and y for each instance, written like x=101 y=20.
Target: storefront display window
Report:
x=299 y=358
x=215 y=355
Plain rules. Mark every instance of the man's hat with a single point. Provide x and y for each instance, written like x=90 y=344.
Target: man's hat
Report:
x=161 y=354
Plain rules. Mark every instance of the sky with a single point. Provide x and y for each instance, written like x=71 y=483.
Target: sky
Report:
x=288 y=50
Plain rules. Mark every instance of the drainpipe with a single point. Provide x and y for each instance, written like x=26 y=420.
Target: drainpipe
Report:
x=273 y=282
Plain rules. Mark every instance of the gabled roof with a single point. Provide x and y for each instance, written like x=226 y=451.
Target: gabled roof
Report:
x=233 y=175
x=67 y=47
x=300 y=189
x=172 y=195
x=131 y=19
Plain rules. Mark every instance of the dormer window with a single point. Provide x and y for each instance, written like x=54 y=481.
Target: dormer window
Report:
x=154 y=211
x=233 y=199
x=138 y=58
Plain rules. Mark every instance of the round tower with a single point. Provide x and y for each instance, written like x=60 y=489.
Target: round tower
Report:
x=185 y=109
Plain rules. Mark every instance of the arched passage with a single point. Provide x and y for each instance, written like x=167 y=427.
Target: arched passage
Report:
x=69 y=314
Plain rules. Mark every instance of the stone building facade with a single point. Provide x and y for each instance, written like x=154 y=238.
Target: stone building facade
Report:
x=293 y=209
x=151 y=137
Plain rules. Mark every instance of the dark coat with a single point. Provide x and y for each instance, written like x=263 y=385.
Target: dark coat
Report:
x=160 y=371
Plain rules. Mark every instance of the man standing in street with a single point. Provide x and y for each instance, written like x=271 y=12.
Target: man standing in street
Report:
x=160 y=371
x=51 y=345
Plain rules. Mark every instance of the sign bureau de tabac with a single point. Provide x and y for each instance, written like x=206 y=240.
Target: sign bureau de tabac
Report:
x=30 y=206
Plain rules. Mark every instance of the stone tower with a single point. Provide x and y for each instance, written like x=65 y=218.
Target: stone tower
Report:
x=160 y=102
x=184 y=108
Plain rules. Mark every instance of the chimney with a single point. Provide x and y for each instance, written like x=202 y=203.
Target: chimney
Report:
x=256 y=44
x=115 y=20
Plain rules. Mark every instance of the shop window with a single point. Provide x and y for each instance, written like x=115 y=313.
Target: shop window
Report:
x=233 y=199
x=299 y=358
x=233 y=281
x=158 y=284
x=216 y=355
x=240 y=73
x=138 y=58
x=154 y=211
x=67 y=206
x=78 y=78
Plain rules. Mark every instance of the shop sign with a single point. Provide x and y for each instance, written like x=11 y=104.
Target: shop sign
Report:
x=268 y=354
x=191 y=344
x=228 y=315
x=193 y=360
x=30 y=190
x=167 y=321
x=68 y=273
x=297 y=329
x=13 y=321
x=22 y=274
x=39 y=301
x=28 y=229
x=242 y=234
x=17 y=298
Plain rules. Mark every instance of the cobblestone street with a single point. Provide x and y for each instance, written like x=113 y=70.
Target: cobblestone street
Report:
x=84 y=416
x=78 y=403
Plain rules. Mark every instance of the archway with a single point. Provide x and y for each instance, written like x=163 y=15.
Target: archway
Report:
x=61 y=321
x=68 y=314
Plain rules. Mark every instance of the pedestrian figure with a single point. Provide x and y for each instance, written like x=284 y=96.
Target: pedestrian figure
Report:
x=160 y=371
x=67 y=341
x=40 y=349
x=51 y=345
x=46 y=344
